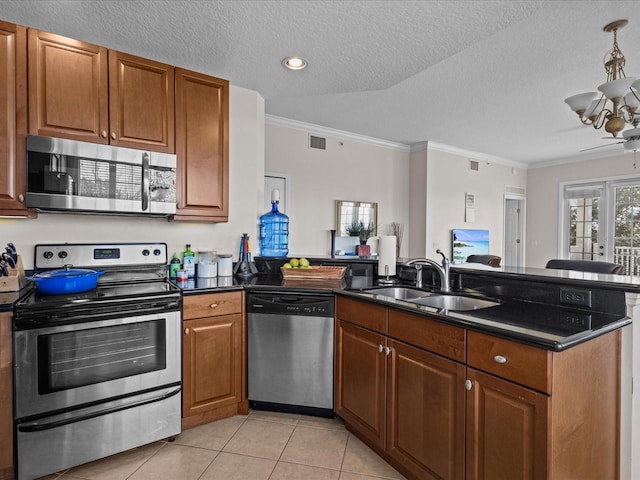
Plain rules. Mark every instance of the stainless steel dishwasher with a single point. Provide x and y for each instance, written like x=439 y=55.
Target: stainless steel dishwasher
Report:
x=290 y=349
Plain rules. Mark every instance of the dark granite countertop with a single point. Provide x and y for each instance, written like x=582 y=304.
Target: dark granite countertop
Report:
x=271 y=282
x=529 y=309
x=551 y=327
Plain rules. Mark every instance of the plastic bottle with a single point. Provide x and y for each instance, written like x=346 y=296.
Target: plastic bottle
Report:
x=274 y=230
x=189 y=261
x=174 y=265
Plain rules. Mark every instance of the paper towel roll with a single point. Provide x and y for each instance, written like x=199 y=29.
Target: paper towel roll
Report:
x=387 y=255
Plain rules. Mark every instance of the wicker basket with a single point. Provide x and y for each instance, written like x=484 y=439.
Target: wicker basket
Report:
x=326 y=273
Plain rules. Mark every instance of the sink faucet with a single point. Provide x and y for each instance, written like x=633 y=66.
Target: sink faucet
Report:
x=442 y=269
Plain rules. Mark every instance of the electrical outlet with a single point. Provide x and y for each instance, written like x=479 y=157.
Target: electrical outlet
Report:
x=575 y=297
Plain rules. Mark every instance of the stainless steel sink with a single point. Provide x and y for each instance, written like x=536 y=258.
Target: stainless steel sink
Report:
x=400 y=293
x=454 y=302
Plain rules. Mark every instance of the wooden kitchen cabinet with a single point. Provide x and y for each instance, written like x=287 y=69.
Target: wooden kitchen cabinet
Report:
x=6 y=397
x=441 y=402
x=405 y=402
x=539 y=415
x=202 y=147
x=141 y=103
x=213 y=358
x=506 y=430
x=85 y=92
x=13 y=127
x=426 y=412
x=361 y=380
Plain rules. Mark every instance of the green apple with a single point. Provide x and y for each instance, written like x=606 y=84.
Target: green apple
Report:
x=304 y=263
x=286 y=265
x=295 y=263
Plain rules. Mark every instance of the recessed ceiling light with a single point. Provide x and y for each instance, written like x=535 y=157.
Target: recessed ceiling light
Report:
x=294 y=63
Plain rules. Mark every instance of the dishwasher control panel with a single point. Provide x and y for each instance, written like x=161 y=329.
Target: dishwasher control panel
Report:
x=291 y=304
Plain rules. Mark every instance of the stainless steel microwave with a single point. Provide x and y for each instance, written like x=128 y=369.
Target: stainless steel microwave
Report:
x=72 y=176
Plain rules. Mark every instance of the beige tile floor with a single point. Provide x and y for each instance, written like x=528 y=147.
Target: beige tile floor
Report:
x=260 y=446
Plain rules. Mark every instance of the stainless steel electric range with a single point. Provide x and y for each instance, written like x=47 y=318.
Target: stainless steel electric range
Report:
x=96 y=372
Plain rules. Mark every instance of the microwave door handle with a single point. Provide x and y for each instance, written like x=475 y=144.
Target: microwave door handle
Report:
x=146 y=174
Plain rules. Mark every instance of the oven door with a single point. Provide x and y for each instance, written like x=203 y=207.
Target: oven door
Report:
x=66 y=366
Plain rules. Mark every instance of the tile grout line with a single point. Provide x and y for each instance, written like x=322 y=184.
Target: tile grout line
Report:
x=225 y=444
x=284 y=448
x=164 y=444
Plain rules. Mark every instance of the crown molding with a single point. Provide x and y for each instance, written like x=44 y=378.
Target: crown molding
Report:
x=583 y=157
x=475 y=155
x=332 y=132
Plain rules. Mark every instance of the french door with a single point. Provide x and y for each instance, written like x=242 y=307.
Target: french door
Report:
x=602 y=222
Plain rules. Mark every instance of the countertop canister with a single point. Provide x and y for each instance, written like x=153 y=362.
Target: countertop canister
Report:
x=225 y=265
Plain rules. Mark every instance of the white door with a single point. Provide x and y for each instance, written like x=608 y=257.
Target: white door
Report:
x=602 y=222
x=271 y=182
x=513 y=232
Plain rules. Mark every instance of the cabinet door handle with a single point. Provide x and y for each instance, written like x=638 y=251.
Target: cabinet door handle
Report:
x=468 y=384
x=186 y=331
x=500 y=359
x=380 y=348
x=21 y=198
x=213 y=305
x=113 y=135
x=387 y=350
x=104 y=134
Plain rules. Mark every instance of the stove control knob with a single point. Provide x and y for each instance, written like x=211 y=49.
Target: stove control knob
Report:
x=145 y=252
x=48 y=254
x=157 y=252
x=62 y=254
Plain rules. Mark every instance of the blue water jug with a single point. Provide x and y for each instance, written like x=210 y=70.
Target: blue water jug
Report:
x=274 y=230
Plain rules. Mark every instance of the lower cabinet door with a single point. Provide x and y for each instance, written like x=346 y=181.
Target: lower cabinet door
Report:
x=425 y=419
x=360 y=379
x=506 y=430
x=212 y=363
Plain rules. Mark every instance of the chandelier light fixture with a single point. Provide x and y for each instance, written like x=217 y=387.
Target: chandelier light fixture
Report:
x=619 y=99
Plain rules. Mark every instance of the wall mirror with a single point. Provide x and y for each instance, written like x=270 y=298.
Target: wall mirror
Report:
x=350 y=214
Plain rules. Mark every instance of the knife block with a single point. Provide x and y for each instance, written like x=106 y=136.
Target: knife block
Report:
x=16 y=279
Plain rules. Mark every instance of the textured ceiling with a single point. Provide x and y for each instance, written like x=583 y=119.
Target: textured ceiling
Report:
x=483 y=76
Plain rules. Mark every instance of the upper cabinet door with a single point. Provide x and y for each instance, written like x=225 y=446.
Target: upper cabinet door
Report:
x=68 y=88
x=141 y=103
x=202 y=146
x=13 y=126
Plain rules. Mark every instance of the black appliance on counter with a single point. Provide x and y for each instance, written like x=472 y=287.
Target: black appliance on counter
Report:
x=96 y=372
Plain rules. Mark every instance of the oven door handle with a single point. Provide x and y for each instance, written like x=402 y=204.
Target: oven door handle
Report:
x=38 y=427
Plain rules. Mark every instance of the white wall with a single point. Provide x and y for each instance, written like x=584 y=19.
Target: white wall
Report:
x=543 y=186
x=246 y=172
x=418 y=203
x=349 y=169
x=448 y=179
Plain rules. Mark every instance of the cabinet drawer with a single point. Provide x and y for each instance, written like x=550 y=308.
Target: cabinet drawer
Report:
x=523 y=364
x=367 y=315
x=437 y=337
x=212 y=304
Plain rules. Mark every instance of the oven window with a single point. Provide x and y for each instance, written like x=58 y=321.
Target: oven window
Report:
x=84 y=357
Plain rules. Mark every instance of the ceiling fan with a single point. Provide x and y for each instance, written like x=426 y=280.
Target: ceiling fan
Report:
x=631 y=138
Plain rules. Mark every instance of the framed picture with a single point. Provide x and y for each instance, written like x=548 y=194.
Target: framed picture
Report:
x=465 y=242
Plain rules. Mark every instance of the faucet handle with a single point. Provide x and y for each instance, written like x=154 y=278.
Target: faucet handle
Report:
x=444 y=258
